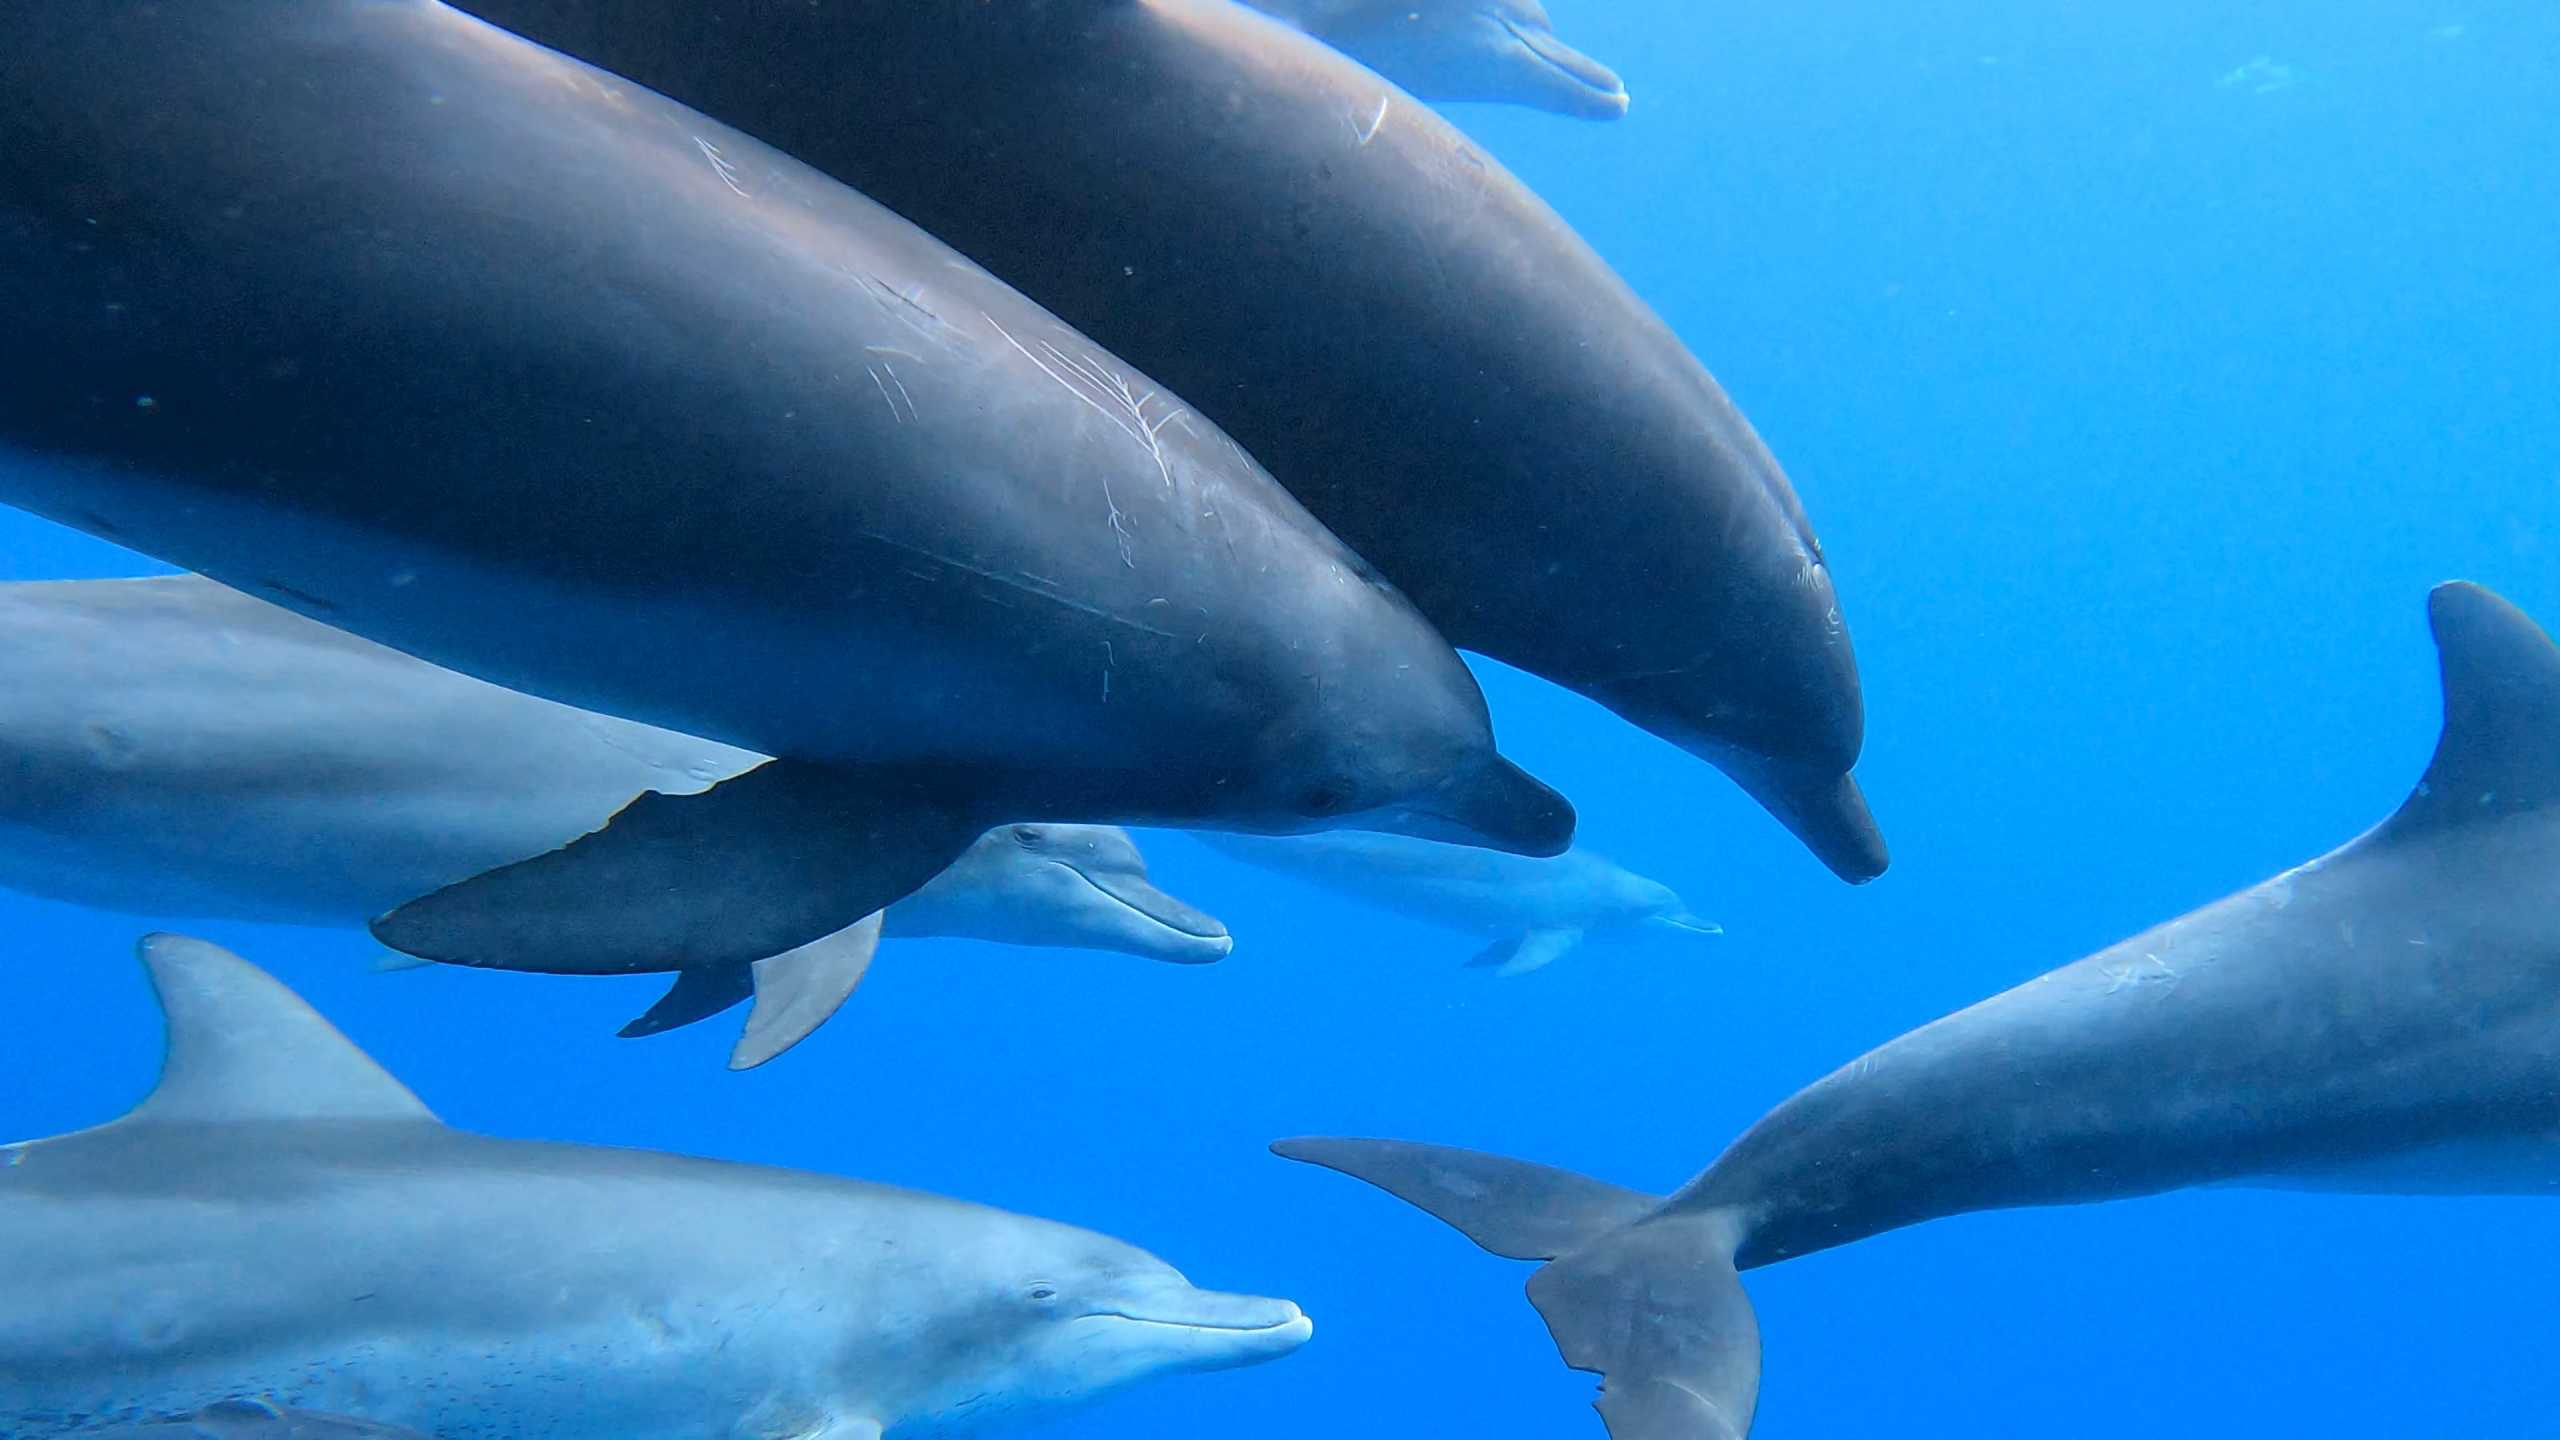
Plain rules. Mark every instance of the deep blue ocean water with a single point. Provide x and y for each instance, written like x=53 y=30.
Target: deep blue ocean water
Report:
x=2142 y=366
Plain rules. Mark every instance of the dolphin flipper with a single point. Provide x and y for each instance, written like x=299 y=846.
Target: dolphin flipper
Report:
x=696 y=996
x=799 y=991
x=759 y=864
x=1527 y=951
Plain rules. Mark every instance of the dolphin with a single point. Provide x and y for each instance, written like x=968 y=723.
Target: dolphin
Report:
x=1418 y=347
x=375 y=310
x=1530 y=912
x=1497 y=50
x=177 y=748
x=249 y=1420
x=2383 y=1019
x=281 y=1219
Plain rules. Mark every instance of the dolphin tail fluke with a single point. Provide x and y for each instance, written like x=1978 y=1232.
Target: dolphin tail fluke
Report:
x=1648 y=1301
x=764 y=862
x=1658 y=1312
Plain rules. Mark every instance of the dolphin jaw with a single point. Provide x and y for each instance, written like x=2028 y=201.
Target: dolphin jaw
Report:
x=1170 y=929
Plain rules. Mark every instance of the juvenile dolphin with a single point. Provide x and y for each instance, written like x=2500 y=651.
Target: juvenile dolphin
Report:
x=1498 y=50
x=1531 y=912
x=2385 y=1018
x=375 y=310
x=249 y=1420
x=280 y=1219
x=172 y=747
x=1418 y=347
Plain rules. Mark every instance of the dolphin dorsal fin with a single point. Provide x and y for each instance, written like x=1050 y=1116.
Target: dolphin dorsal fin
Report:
x=2500 y=751
x=243 y=1047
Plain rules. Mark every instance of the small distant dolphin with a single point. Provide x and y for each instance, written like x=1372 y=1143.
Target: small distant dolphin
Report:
x=249 y=1420
x=1535 y=911
x=280 y=1219
x=172 y=747
x=413 y=326
x=2383 y=1019
x=1498 y=50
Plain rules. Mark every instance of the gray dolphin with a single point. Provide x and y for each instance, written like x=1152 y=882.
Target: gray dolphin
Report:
x=1415 y=344
x=176 y=748
x=1498 y=50
x=249 y=1420
x=378 y=311
x=2385 y=1018
x=1531 y=912
x=281 y=1219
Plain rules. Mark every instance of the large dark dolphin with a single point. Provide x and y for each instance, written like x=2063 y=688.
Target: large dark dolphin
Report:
x=1418 y=347
x=376 y=310
x=2385 y=1018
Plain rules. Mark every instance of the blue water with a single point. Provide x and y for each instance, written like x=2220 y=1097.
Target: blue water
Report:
x=2141 y=366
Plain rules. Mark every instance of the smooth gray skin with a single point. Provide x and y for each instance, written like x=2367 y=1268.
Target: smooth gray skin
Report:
x=1498 y=50
x=178 y=749
x=249 y=1420
x=1533 y=911
x=369 y=308
x=2385 y=1018
x=1414 y=343
x=281 y=1219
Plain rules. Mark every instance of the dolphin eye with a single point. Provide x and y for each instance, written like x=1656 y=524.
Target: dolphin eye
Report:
x=1044 y=1292
x=1029 y=836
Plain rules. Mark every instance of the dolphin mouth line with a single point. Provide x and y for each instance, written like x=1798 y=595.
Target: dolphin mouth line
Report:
x=1125 y=903
x=1530 y=43
x=1291 y=1322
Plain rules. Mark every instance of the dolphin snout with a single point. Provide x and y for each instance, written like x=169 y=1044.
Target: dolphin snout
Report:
x=1223 y=1331
x=1162 y=926
x=1576 y=84
x=1496 y=806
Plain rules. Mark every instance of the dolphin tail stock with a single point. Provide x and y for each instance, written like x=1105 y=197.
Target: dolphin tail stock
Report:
x=794 y=993
x=1649 y=1301
x=761 y=863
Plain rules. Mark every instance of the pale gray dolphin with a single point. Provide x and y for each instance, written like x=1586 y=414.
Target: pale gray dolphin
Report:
x=1417 y=346
x=373 y=309
x=172 y=747
x=249 y=1420
x=1497 y=50
x=2385 y=1018
x=280 y=1219
x=1530 y=912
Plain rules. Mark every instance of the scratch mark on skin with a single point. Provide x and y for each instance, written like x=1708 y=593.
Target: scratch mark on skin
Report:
x=1375 y=121
x=1036 y=586
x=886 y=398
x=2134 y=974
x=1110 y=395
x=903 y=307
x=720 y=166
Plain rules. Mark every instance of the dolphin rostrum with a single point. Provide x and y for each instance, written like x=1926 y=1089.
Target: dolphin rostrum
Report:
x=178 y=749
x=1529 y=912
x=2383 y=1019
x=281 y=1220
x=1423 y=351
x=1496 y=50
x=376 y=310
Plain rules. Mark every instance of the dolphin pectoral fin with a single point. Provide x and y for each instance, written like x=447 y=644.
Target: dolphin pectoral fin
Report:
x=800 y=990
x=1527 y=951
x=696 y=996
x=1513 y=1208
x=759 y=864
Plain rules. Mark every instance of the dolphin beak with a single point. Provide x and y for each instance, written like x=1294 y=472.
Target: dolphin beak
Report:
x=1497 y=806
x=1224 y=1331
x=1173 y=930
x=1826 y=811
x=1584 y=87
